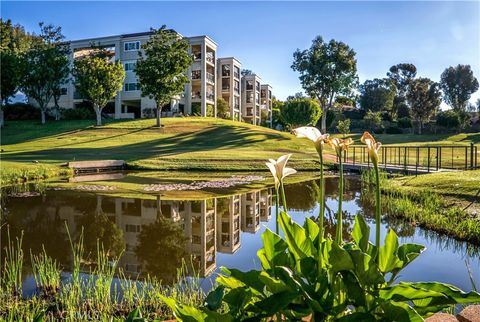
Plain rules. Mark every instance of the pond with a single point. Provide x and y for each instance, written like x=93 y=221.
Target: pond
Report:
x=156 y=234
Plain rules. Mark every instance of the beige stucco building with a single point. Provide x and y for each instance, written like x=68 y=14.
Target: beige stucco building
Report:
x=229 y=85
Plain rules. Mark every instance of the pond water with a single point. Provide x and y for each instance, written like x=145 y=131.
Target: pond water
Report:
x=154 y=234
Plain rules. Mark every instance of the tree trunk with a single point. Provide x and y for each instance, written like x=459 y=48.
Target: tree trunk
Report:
x=324 y=119
x=42 y=113
x=159 y=112
x=98 y=111
x=1 y=118
x=420 y=126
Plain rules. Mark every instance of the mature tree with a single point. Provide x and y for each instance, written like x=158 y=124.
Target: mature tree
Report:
x=162 y=67
x=458 y=84
x=424 y=97
x=377 y=95
x=401 y=75
x=326 y=70
x=296 y=95
x=478 y=105
x=344 y=127
x=373 y=120
x=301 y=111
x=13 y=44
x=277 y=106
x=449 y=119
x=98 y=79
x=246 y=72
x=46 y=67
x=341 y=100
x=223 y=110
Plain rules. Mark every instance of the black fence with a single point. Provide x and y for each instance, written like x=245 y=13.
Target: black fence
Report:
x=429 y=158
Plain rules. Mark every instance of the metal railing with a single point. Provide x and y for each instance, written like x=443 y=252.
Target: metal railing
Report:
x=426 y=158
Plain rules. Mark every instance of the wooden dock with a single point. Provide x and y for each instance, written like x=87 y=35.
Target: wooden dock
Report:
x=96 y=166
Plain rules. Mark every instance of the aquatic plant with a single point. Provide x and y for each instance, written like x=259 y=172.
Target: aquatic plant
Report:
x=353 y=281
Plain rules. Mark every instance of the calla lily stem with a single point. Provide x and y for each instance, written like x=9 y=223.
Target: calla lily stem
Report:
x=339 y=237
x=377 y=205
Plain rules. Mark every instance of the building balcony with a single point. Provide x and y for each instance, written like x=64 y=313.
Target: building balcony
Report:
x=210 y=57
x=225 y=88
x=211 y=97
x=236 y=75
x=196 y=95
x=210 y=78
x=197 y=56
x=196 y=74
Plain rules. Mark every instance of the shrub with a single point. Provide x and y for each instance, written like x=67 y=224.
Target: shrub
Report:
x=78 y=113
x=21 y=111
x=344 y=127
x=300 y=111
x=196 y=109
x=373 y=121
x=210 y=110
x=393 y=130
x=449 y=119
x=223 y=110
x=404 y=123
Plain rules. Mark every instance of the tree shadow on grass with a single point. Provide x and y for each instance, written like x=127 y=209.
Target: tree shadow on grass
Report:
x=215 y=138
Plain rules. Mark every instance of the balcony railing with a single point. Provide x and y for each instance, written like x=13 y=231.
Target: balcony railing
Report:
x=210 y=57
x=225 y=88
x=197 y=56
x=210 y=78
x=236 y=75
x=237 y=90
x=196 y=74
x=211 y=96
x=196 y=95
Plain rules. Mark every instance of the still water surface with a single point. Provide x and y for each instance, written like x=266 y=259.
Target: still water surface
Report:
x=154 y=235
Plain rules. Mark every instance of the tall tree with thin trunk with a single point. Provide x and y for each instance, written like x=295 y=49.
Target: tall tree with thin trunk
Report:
x=162 y=67
x=424 y=97
x=401 y=75
x=326 y=70
x=458 y=84
x=98 y=79
x=46 y=68
x=14 y=43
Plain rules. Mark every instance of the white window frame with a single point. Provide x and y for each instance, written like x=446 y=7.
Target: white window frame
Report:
x=133 y=62
x=137 y=44
x=125 y=87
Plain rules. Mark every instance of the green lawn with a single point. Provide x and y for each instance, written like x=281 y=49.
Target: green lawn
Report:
x=31 y=150
x=182 y=144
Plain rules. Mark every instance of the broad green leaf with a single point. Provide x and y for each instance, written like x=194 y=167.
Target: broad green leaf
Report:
x=184 y=312
x=272 y=284
x=249 y=278
x=388 y=253
x=408 y=252
x=229 y=282
x=298 y=243
x=400 y=312
x=406 y=292
x=214 y=298
x=453 y=294
x=273 y=251
x=366 y=269
x=276 y=302
x=340 y=259
x=361 y=233
x=312 y=229
x=356 y=295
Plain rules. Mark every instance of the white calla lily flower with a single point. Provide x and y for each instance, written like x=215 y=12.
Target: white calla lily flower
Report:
x=372 y=146
x=313 y=134
x=279 y=170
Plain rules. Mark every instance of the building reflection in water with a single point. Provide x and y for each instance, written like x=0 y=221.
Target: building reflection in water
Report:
x=148 y=231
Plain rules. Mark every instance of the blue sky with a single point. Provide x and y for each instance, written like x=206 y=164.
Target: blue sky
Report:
x=264 y=35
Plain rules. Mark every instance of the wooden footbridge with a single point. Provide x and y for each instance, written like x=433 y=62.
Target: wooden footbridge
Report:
x=415 y=159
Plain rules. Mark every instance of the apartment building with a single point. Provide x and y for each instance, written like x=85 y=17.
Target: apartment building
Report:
x=251 y=99
x=229 y=85
x=209 y=78
x=266 y=104
x=199 y=97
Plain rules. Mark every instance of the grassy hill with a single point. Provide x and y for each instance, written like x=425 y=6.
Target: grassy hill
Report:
x=182 y=144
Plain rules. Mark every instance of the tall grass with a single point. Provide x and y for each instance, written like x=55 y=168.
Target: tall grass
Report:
x=9 y=176
x=426 y=209
x=90 y=289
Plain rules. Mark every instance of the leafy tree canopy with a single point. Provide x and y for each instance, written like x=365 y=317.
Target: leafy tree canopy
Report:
x=162 y=66
x=98 y=80
x=377 y=95
x=223 y=110
x=326 y=70
x=424 y=97
x=458 y=84
x=402 y=74
x=300 y=112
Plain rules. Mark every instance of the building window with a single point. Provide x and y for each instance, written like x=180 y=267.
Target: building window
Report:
x=258 y=86
x=236 y=72
x=132 y=228
x=196 y=74
x=130 y=87
x=225 y=84
x=236 y=102
x=236 y=86
x=249 y=85
x=130 y=65
x=131 y=46
x=63 y=91
x=226 y=70
x=249 y=97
